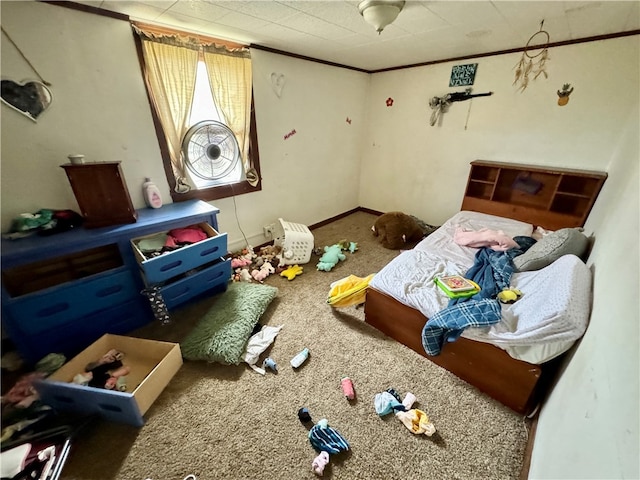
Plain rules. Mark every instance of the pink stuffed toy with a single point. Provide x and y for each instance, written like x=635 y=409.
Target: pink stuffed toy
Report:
x=319 y=463
x=265 y=270
x=240 y=262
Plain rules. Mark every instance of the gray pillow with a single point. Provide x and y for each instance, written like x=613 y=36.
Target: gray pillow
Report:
x=550 y=248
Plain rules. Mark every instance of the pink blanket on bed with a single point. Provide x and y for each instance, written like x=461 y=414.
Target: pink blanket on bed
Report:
x=494 y=239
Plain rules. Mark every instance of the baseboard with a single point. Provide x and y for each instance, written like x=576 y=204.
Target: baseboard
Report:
x=333 y=219
x=342 y=215
x=528 y=450
x=327 y=222
x=368 y=210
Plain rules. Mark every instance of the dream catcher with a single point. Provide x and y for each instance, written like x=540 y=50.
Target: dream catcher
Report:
x=532 y=64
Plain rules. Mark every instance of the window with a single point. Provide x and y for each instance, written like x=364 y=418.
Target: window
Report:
x=201 y=100
x=212 y=159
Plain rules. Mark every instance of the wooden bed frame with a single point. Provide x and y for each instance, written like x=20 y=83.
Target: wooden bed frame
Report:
x=563 y=199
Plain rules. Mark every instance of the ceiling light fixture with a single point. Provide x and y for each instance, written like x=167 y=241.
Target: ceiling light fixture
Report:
x=380 y=13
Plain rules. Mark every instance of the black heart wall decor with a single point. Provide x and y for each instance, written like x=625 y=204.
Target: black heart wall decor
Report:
x=29 y=98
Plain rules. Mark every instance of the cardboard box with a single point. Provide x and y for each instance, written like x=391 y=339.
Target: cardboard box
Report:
x=153 y=364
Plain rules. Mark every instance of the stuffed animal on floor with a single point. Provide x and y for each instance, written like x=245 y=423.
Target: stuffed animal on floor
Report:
x=265 y=270
x=395 y=229
x=331 y=256
x=271 y=254
x=292 y=272
x=242 y=275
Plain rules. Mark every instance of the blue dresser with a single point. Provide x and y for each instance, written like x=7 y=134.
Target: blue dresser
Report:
x=62 y=292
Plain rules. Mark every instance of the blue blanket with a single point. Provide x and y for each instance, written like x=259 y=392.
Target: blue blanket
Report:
x=492 y=271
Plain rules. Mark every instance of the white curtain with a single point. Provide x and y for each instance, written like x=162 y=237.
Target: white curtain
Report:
x=230 y=77
x=170 y=64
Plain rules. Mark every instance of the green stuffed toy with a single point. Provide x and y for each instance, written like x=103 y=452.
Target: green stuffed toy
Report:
x=331 y=256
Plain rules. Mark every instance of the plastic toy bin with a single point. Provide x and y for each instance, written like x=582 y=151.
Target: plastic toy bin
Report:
x=296 y=241
x=153 y=364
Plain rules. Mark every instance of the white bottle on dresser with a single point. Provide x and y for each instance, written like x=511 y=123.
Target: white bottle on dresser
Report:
x=151 y=194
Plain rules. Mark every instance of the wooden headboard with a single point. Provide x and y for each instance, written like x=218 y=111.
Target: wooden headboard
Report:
x=551 y=198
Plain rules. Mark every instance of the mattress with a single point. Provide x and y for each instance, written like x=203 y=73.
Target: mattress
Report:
x=541 y=325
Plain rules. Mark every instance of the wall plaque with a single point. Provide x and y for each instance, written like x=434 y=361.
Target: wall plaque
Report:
x=463 y=75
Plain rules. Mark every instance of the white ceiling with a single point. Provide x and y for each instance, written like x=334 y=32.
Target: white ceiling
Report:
x=425 y=31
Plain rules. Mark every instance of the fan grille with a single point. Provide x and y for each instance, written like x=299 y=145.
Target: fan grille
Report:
x=211 y=150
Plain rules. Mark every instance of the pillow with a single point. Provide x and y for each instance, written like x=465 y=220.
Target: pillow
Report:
x=222 y=334
x=550 y=248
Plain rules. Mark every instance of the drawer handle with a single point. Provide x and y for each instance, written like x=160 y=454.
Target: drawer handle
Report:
x=169 y=266
x=183 y=292
x=105 y=292
x=206 y=253
x=53 y=310
x=110 y=408
x=216 y=276
x=62 y=399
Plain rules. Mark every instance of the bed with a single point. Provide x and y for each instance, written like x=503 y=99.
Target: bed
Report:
x=514 y=360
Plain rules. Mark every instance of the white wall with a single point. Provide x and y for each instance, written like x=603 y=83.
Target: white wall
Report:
x=313 y=174
x=589 y=426
x=411 y=166
x=100 y=109
x=99 y=106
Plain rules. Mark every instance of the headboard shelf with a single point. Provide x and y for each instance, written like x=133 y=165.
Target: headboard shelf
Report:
x=552 y=198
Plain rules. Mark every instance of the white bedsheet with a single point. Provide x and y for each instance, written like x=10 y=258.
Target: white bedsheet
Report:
x=544 y=323
x=409 y=277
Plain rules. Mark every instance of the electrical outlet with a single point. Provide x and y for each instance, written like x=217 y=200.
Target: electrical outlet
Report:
x=269 y=229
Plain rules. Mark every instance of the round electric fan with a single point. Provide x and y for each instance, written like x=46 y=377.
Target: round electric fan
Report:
x=210 y=150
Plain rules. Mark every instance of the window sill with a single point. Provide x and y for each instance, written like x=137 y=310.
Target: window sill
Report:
x=215 y=193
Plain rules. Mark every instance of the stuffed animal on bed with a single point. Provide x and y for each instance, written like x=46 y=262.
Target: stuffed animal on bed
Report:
x=395 y=229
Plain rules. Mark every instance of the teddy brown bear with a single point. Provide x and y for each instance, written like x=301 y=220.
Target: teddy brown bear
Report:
x=395 y=229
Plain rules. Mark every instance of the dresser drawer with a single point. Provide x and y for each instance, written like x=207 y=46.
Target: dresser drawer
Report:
x=153 y=364
x=38 y=312
x=71 y=336
x=213 y=277
x=171 y=264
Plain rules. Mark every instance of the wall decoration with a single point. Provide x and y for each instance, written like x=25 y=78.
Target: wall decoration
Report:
x=563 y=95
x=462 y=75
x=292 y=132
x=29 y=98
x=389 y=102
x=526 y=66
x=277 y=82
x=440 y=105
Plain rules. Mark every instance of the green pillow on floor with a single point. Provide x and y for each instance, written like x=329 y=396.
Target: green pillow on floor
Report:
x=222 y=334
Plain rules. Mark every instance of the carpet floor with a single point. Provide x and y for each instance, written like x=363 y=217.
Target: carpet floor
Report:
x=228 y=422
